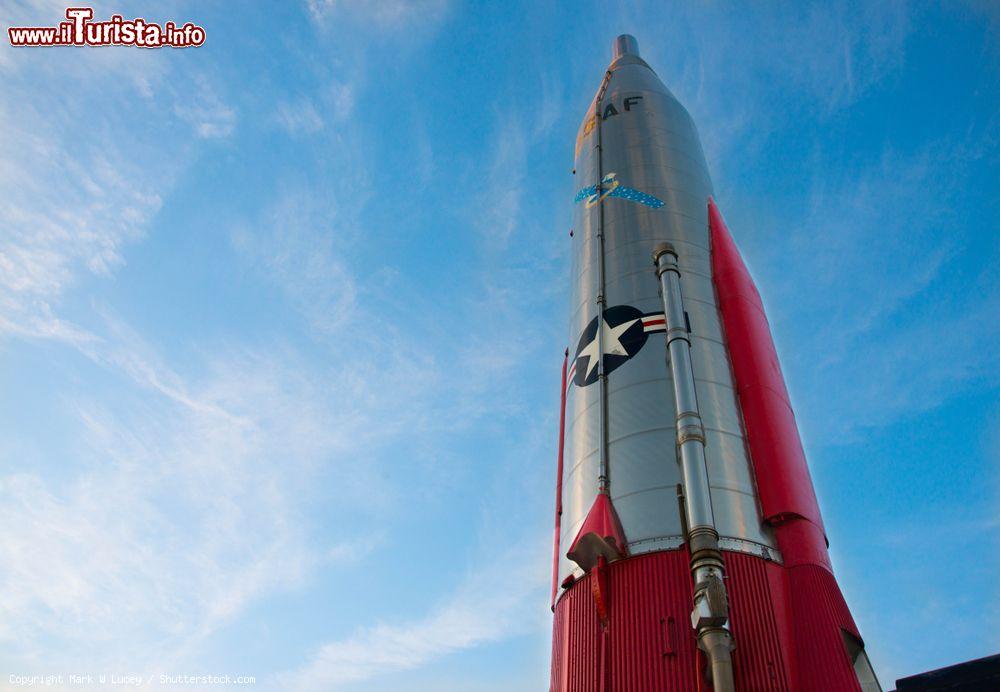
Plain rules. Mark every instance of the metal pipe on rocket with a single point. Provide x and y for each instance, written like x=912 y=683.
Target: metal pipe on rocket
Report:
x=710 y=615
x=732 y=587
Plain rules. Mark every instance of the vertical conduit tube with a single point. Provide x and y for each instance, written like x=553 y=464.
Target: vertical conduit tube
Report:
x=710 y=615
x=559 y=481
x=603 y=479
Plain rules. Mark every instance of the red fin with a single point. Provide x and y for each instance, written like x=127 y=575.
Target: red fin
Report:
x=600 y=536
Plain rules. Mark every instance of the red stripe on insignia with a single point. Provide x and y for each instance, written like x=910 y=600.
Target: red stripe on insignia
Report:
x=654 y=323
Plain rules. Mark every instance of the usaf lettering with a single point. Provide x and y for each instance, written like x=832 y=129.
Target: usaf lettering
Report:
x=609 y=111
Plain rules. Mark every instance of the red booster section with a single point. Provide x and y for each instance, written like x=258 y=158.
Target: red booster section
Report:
x=782 y=475
x=818 y=613
x=786 y=624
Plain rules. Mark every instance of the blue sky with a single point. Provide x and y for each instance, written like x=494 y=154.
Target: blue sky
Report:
x=281 y=321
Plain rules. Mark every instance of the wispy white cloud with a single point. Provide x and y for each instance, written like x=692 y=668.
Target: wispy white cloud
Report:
x=385 y=14
x=66 y=207
x=174 y=514
x=500 y=206
x=184 y=506
x=501 y=597
x=501 y=200
x=476 y=376
x=296 y=243
x=176 y=519
x=75 y=190
x=341 y=97
x=309 y=114
x=878 y=267
x=205 y=110
x=299 y=116
x=815 y=59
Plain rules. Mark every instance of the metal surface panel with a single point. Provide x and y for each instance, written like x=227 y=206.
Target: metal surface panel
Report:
x=711 y=363
x=581 y=415
x=727 y=463
x=704 y=319
x=635 y=281
x=638 y=407
x=693 y=258
x=644 y=460
x=652 y=514
x=697 y=285
x=647 y=183
x=677 y=219
x=580 y=488
x=717 y=402
x=737 y=516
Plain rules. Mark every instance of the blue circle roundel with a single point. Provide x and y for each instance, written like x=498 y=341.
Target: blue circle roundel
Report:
x=623 y=335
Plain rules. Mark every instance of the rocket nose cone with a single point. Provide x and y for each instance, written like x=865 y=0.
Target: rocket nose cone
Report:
x=625 y=45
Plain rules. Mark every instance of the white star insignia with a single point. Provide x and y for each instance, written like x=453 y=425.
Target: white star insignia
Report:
x=612 y=345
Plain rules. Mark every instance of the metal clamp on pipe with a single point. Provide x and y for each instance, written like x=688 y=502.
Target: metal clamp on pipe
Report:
x=710 y=614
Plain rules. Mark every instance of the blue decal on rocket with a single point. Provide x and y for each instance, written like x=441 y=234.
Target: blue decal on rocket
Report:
x=610 y=187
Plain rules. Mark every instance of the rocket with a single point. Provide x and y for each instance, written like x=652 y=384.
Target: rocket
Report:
x=689 y=550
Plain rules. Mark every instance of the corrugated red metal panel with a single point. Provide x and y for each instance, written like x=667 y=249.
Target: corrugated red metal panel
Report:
x=783 y=481
x=649 y=626
x=801 y=542
x=575 y=659
x=758 y=662
x=786 y=624
x=819 y=614
x=781 y=608
x=648 y=637
x=650 y=644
